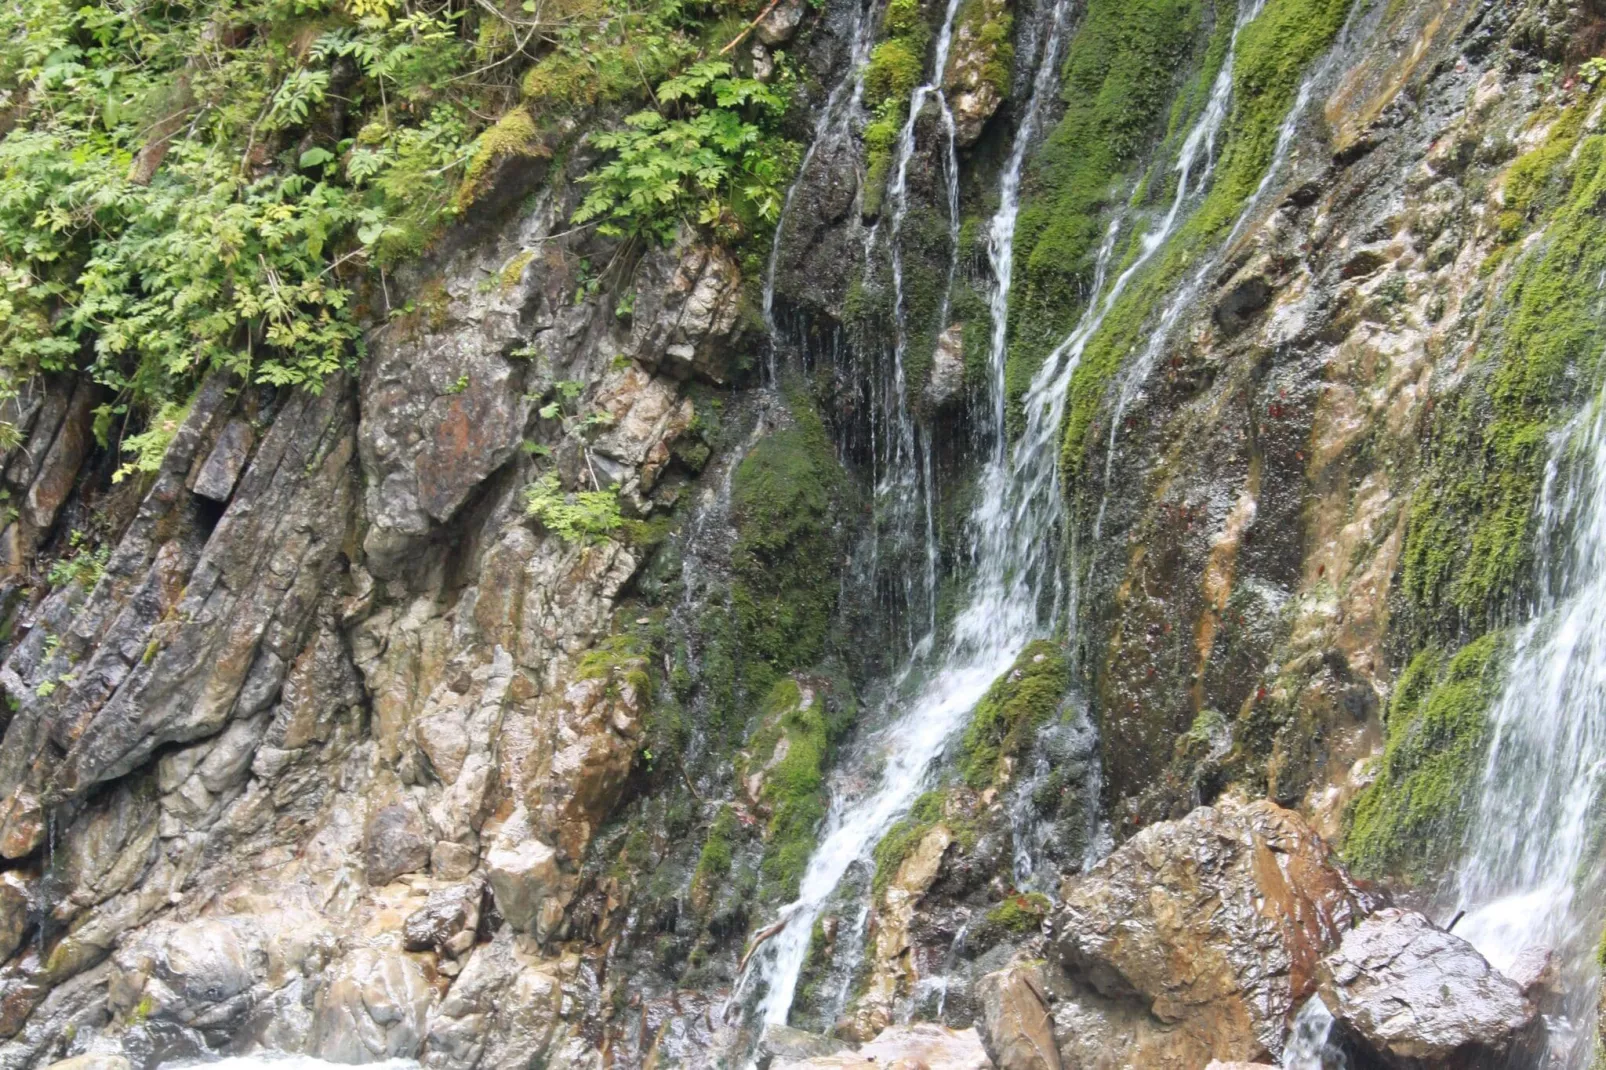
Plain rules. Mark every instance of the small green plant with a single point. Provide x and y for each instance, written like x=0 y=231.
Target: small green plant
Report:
x=80 y=565
x=459 y=386
x=150 y=446
x=585 y=516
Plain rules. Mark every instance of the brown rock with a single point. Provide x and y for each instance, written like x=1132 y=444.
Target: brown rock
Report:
x=1214 y=924
x=1016 y=1027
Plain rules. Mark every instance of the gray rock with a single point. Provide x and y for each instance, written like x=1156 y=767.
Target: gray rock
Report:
x=1420 y=998
x=224 y=464
x=395 y=842
x=786 y=1044
x=780 y=22
x=447 y=912
x=947 y=368
x=524 y=874
x=373 y=1007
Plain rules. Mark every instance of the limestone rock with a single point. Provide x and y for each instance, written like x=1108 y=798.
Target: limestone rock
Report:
x=524 y=874
x=443 y=919
x=892 y=969
x=372 y=1008
x=922 y=1046
x=92 y=1062
x=977 y=78
x=500 y=1012
x=1419 y=997
x=785 y=1044
x=1016 y=1026
x=15 y=901
x=687 y=300
x=1244 y=894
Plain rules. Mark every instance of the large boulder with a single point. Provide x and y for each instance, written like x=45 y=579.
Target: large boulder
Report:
x=1420 y=998
x=1214 y=925
x=1016 y=1026
x=372 y=1008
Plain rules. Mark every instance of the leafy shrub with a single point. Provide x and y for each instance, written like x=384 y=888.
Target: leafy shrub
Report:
x=696 y=156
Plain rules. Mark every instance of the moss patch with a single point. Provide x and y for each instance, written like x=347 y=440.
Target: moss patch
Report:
x=1470 y=540
x=783 y=498
x=1017 y=703
x=514 y=134
x=793 y=788
x=1409 y=822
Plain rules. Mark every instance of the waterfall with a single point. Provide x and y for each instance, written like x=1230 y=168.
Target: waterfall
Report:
x=1534 y=840
x=1016 y=595
x=1310 y=1044
x=1001 y=229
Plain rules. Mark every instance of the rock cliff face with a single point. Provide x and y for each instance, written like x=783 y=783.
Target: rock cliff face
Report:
x=483 y=708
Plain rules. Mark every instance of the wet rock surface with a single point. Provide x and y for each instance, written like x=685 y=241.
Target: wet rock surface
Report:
x=1245 y=894
x=1415 y=996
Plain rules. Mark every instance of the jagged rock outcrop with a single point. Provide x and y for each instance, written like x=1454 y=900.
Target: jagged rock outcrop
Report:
x=1016 y=1025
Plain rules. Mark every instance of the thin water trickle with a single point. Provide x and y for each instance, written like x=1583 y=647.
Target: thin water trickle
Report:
x=1531 y=873
x=833 y=124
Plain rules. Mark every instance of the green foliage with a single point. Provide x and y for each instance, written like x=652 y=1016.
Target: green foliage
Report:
x=149 y=446
x=1469 y=543
x=585 y=516
x=893 y=72
x=162 y=212
x=1408 y=823
x=81 y=564
x=696 y=153
x=1016 y=704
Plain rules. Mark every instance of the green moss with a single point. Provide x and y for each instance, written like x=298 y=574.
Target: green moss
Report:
x=619 y=659
x=793 y=788
x=784 y=589
x=1273 y=52
x=514 y=134
x=714 y=861
x=1409 y=822
x=1017 y=703
x=1115 y=85
x=903 y=837
x=1019 y=914
x=893 y=72
x=1470 y=539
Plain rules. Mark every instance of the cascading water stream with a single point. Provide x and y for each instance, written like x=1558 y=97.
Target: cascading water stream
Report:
x=1014 y=598
x=1533 y=843
x=1001 y=229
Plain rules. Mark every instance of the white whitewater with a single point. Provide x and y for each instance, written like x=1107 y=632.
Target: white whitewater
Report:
x=1533 y=852
x=1018 y=594
x=1310 y=1044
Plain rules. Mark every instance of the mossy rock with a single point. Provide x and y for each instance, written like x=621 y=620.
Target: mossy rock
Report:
x=1016 y=704
x=1410 y=821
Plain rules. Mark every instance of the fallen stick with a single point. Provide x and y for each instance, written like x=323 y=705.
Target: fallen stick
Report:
x=750 y=26
x=763 y=935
